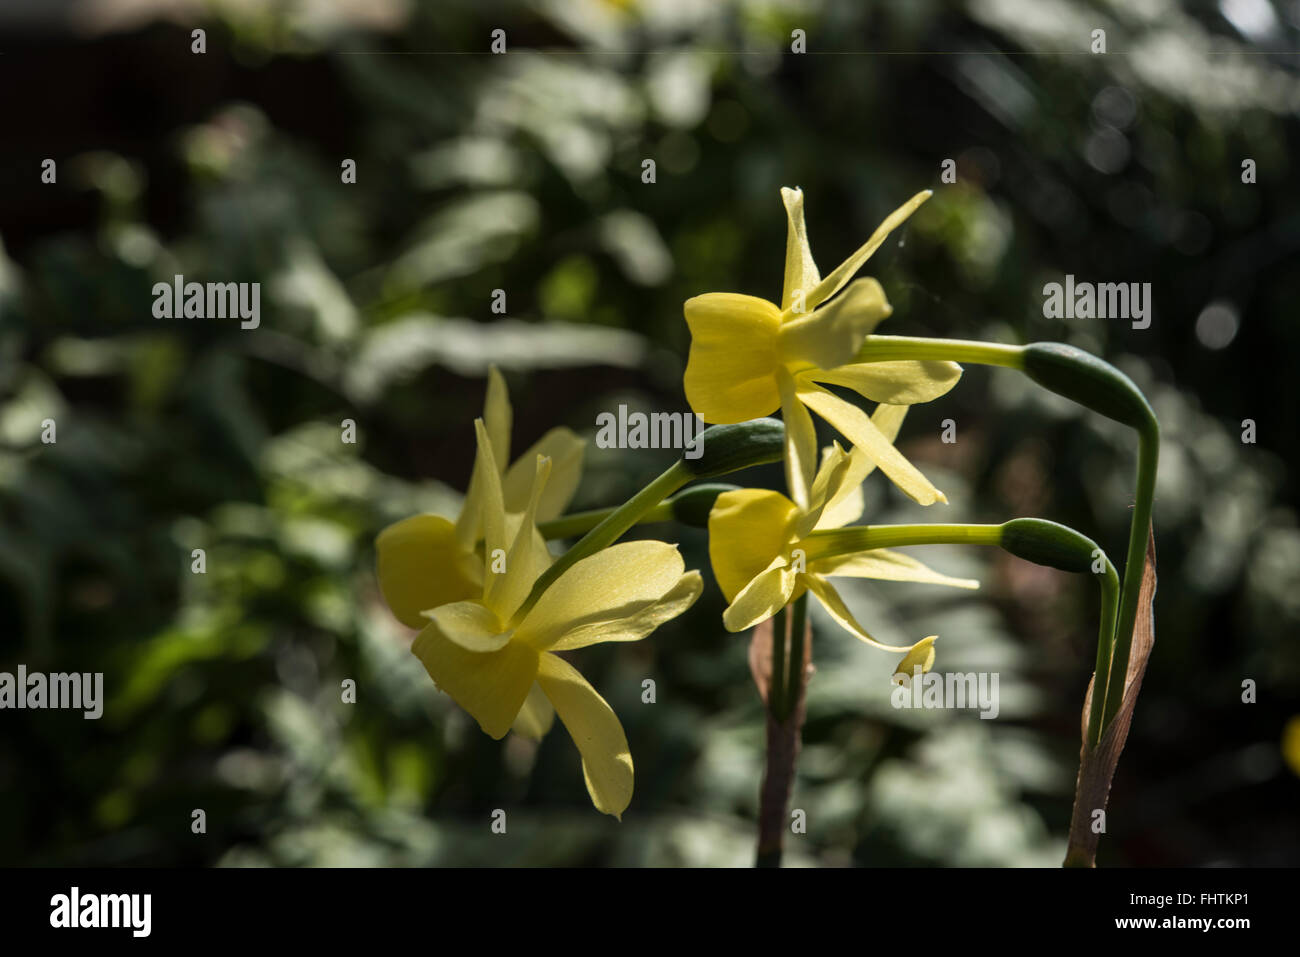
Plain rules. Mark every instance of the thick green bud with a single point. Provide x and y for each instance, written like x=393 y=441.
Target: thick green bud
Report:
x=1092 y=382
x=692 y=506
x=1049 y=543
x=728 y=448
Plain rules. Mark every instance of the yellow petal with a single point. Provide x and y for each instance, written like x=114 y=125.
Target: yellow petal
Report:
x=528 y=556
x=491 y=685
x=470 y=625
x=634 y=621
x=800 y=271
x=748 y=528
x=597 y=591
x=536 y=716
x=854 y=424
x=831 y=335
x=886 y=565
x=758 y=601
x=830 y=478
x=846 y=503
x=483 y=513
x=606 y=760
x=835 y=606
x=420 y=565
x=920 y=656
x=897 y=383
x=565 y=450
x=800 y=443
x=731 y=371
x=844 y=272
x=498 y=416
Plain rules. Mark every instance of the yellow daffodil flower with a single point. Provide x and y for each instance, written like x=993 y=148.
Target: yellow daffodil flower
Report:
x=428 y=560
x=750 y=357
x=760 y=556
x=501 y=665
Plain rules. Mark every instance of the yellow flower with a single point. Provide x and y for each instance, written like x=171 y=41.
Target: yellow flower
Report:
x=502 y=666
x=750 y=357
x=763 y=561
x=428 y=560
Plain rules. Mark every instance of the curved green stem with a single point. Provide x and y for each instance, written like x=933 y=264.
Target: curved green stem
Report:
x=1134 y=562
x=609 y=529
x=1097 y=385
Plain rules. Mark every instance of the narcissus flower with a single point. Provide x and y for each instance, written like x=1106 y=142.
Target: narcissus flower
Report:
x=763 y=558
x=429 y=560
x=750 y=357
x=500 y=663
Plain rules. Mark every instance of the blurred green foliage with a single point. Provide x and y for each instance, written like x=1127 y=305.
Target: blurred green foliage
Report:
x=523 y=173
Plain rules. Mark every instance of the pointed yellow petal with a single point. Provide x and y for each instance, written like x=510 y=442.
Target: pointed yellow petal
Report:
x=844 y=272
x=491 y=686
x=886 y=565
x=800 y=271
x=854 y=424
x=800 y=443
x=633 y=621
x=832 y=335
x=536 y=716
x=599 y=590
x=484 y=501
x=758 y=601
x=606 y=760
x=897 y=383
x=730 y=375
x=565 y=450
x=748 y=528
x=920 y=656
x=498 y=416
x=528 y=556
x=830 y=477
x=492 y=503
x=420 y=565
x=835 y=606
x=846 y=502
x=470 y=625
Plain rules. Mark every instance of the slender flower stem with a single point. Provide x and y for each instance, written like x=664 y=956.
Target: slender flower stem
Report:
x=833 y=542
x=894 y=348
x=1110 y=598
x=1139 y=526
x=794 y=683
x=776 y=684
x=1099 y=386
x=579 y=523
x=610 y=528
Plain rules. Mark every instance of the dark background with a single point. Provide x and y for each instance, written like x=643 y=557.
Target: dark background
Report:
x=523 y=172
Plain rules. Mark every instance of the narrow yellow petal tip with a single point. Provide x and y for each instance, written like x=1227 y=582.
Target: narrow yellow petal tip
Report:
x=940 y=497
x=920 y=657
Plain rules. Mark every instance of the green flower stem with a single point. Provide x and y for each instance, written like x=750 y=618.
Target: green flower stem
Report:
x=833 y=542
x=1134 y=562
x=608 y=531
x=720 y=449
x=1097 y=385
x=1110 y=598
x=776 y=686
x=690 y=507
x=895 y=348
x=579 y=523
x=1035 y=540
x=794 y=683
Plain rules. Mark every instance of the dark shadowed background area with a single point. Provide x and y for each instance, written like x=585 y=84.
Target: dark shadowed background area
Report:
x=523 y=172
